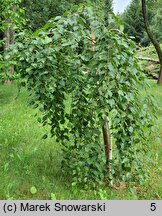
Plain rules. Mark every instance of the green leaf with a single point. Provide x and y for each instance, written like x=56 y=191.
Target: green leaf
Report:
x=47 y=40
x=33 y=190
x=45 y=136
x=131 y=129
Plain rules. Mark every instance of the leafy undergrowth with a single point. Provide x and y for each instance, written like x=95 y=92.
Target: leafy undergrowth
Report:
x=30 y=167
x=148 y=52
x=151 y=68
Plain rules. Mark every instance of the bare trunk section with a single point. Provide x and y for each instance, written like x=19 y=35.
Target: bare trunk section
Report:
x=160 y=76
x=92 y=40
x=8 y=40
x=152 y=39
x=108 y=145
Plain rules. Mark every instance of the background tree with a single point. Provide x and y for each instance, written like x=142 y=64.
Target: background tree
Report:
x=11 y=23
x=46 y=9
x=133 y=21
x=156 y=21
x=152 y=39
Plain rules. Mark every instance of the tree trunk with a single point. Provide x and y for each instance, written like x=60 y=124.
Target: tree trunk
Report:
x=160 y=76
x=152 y=39
x=108 y=145
x=8 y=40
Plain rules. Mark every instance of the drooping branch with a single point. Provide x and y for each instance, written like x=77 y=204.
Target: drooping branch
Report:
x=107 y=137
x=117 y=31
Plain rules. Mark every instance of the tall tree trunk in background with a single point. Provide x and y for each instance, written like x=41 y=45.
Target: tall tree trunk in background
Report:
x=160 y=75
x=152 y=39
x=9 y=39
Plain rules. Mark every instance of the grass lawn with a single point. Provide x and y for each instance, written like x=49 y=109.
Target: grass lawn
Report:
x=26 y=160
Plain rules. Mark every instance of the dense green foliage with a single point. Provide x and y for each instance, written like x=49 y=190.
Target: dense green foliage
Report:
x=102 y=77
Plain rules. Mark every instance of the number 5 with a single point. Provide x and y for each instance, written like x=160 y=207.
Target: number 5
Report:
x=153 y=207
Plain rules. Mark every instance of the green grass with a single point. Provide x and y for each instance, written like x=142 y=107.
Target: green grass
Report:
x=26 y=160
